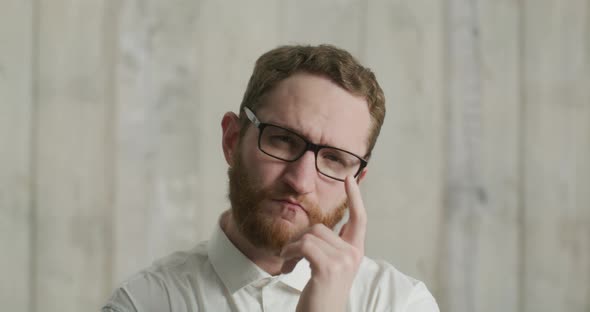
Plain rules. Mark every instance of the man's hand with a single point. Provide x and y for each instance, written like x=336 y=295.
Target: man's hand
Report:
x=334 y=259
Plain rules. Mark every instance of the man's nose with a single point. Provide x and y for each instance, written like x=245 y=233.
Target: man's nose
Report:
x=301 y=174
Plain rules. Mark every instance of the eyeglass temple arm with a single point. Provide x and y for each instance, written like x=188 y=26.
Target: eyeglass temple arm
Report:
x=252 y=117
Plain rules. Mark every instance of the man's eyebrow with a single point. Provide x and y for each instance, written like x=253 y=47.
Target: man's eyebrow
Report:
x=307 y=138
x=290 y=129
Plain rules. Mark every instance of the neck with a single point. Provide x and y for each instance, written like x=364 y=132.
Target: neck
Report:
x=265 y=259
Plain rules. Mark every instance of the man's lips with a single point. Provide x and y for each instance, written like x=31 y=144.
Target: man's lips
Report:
x=291 y=202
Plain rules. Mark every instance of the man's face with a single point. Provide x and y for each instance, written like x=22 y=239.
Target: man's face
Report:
x=274 y=201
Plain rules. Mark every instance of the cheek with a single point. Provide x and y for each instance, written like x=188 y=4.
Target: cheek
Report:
x=260 y=167
x=331 y=195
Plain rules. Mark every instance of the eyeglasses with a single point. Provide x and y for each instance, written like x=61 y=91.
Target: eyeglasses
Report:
x=286 y=145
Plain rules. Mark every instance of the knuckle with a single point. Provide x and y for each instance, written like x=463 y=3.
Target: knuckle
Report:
x=306 y=241
x=306 y=237
x=348 y=261
x=317 y=228
x=334 y=268
x=357 y=255
x=352 y=258
x=355 y=252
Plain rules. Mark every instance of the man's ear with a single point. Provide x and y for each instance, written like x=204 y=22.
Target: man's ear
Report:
x=361 y=176
x=230 y=127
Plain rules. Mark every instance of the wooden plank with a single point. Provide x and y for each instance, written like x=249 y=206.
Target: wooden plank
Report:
x=498 y=212
x=556 y=156
x=464 y=177
x=73 y=158
x=181 y=65
x=341 y=23
x=156 y=145
x=482 y=210
x=403 y=192
x=16 y=109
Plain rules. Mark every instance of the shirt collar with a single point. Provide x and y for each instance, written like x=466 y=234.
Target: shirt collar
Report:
x=237 y=271
x=299 y=277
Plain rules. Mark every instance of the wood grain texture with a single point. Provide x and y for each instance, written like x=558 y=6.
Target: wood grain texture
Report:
x=157 y=150
x=404 y=187
x=498 y=225
x=557 y=154
x=341 y=23
x=483 y=208
x=73 y=223
x=16 y=112
x=464 y=177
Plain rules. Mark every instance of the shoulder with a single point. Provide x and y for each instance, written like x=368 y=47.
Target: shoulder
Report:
x=179 y=265
x=379 y=286
x=159 y=287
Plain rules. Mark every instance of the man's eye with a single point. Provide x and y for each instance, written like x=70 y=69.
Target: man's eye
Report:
x=334 y=158
x=283 y=139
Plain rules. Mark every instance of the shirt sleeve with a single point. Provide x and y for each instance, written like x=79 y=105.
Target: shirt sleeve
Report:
x=421 y=300
x=145 y=292
x=119 y=302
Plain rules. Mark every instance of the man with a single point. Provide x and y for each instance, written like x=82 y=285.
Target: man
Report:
x=296 y=152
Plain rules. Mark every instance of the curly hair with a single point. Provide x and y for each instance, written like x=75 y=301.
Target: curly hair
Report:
x=328 y=61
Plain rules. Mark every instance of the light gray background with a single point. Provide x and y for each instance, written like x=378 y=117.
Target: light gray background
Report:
x=110 y=130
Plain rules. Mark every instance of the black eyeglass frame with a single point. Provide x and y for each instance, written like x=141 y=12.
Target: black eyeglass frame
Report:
x=309 y=146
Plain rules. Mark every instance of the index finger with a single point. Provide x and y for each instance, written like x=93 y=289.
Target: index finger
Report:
x=355 y=229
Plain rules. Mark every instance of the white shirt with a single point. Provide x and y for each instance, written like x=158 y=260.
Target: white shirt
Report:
x=216 y=276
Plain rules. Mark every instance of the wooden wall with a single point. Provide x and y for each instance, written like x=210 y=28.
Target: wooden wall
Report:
x=110 y=150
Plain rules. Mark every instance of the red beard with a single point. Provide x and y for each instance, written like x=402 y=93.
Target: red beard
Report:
x=260 y=229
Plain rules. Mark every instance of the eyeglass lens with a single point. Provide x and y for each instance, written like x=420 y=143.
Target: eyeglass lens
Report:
x=286 y=145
